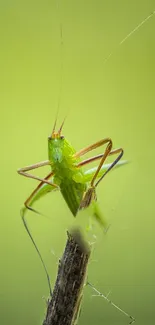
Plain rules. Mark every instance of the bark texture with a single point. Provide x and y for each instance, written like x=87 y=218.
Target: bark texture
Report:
x=64 y=306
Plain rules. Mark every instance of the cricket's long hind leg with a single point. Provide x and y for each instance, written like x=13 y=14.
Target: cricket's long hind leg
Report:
x=96 y=175
x=97 y=157
x=120 y=152
x=95 y=145
x=90 y=195
x=39 y=191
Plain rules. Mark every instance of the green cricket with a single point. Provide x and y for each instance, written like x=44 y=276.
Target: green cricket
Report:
x=77 y=186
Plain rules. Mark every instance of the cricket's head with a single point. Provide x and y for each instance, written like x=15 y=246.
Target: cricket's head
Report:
x=57 y=135
x=56 y=144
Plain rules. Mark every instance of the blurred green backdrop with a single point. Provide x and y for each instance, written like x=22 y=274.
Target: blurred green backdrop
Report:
x=114 y=98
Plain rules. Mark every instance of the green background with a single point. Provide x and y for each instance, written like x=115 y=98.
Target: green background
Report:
x=113 y=98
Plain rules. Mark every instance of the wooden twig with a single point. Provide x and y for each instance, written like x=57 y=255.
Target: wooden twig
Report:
x=64 y=306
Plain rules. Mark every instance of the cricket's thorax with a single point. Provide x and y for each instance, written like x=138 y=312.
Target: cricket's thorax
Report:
x=66 y=174
x=61 y=157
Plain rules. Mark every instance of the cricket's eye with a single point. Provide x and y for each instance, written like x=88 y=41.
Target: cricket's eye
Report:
x=62 y=137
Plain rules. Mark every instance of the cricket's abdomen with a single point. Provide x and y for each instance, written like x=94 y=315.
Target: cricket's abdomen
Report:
x=72 y=193
x=66 y=175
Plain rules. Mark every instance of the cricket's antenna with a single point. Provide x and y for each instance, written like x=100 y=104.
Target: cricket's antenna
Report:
x=61 y=59
x=56 y=118
x=54 y=126
x=60 y=129
x=61 y=66
x=61 y=78
x=130 y=34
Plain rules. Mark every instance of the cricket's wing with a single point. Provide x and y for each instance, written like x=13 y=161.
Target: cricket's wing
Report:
x=72 y=193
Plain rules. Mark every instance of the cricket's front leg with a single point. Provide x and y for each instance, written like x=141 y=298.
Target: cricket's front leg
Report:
x=41 y=190
x=23 y=171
